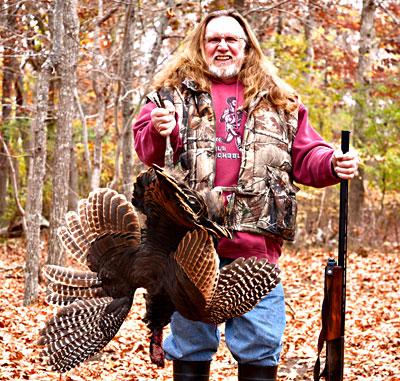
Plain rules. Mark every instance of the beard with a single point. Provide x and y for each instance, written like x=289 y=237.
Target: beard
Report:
x=227 y=72
x=224 y=72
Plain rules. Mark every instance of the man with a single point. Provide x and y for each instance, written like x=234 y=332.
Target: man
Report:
x=222 y=71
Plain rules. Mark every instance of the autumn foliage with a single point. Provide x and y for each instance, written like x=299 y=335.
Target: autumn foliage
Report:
x=372 y=324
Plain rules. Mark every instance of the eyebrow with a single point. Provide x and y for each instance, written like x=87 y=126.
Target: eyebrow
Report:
x=224 y=36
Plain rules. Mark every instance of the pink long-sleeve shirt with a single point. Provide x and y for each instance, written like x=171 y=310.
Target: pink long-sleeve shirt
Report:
x=311 y=160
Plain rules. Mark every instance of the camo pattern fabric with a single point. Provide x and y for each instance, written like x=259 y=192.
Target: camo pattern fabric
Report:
x=264 y=201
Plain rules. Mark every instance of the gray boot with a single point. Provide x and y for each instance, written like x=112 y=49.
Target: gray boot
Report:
x=257 y=373
x=191 y=370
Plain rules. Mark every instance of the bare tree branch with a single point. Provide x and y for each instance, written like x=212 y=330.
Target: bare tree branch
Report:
x=104 y=18
x=265 y=9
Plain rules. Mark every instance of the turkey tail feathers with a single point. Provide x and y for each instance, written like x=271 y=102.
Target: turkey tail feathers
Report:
x=69 y=285
x=104 y=212
x=76 y=249
x=90 y=318
x=70 y=277
x=241 y=285
x=59 y=294
x=82 y=329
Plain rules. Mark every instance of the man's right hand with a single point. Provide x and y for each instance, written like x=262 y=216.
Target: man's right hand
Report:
x=163 y=119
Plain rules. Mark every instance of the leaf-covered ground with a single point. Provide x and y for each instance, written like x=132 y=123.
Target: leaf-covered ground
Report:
x=372 y=324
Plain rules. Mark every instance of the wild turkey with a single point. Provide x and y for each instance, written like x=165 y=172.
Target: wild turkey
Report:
x=173 y=258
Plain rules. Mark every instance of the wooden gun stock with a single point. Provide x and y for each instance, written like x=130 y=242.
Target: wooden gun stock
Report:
x=331 y=325
x=334 y=282
x=333 y=320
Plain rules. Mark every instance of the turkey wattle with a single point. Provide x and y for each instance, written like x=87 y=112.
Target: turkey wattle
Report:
x=173 y=257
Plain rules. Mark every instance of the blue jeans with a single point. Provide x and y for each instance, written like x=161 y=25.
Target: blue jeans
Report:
x=254 y=338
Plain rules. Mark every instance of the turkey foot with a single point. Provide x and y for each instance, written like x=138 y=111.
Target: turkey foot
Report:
x=156 y=351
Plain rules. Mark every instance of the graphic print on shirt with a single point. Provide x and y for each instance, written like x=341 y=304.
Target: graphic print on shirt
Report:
x=233 y=121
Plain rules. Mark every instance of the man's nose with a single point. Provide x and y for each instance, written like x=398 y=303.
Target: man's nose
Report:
x=223 y=45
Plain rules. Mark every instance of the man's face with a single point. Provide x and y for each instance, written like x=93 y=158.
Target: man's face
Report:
x=224 y=47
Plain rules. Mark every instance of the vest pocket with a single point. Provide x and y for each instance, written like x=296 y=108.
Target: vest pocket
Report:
x=271 y=212
x=280 y=209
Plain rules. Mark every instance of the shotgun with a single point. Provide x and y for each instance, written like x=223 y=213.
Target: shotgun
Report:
x=334 y=303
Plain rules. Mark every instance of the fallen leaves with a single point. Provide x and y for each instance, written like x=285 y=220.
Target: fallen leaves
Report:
x=372 y=315
x=372 y=325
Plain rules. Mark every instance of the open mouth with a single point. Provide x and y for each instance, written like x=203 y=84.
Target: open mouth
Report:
x=222 y=59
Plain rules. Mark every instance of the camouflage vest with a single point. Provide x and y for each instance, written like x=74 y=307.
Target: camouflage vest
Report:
x=264 y=201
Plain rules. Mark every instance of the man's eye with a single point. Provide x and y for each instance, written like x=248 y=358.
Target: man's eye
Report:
x=231 y=40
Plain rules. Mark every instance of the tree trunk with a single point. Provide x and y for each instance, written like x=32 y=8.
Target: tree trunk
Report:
x=21 y=114
x=9 y=65
x=156 y=49
x=37 y=169
x=367 y=36
x=126 y=83
x=98 y=149
x=73 y=193
x=67 y=44
x=14 y=174
x=100 y=84
x=308 y=28
x=85 y=140
x=3 y=180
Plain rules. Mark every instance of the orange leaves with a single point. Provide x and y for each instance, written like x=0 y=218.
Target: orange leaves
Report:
x=372 y=325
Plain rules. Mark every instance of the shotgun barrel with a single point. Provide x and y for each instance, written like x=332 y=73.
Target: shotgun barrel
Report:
x=343 y=212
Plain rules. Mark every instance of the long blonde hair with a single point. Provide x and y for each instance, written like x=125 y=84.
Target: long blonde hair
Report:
x=257 y=73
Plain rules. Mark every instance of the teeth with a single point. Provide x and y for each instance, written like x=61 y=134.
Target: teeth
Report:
x=223 y=58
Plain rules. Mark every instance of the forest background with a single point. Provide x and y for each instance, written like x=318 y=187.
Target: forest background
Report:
x=74 y=75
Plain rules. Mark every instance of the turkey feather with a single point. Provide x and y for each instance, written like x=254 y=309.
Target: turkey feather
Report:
x=70 y=277
x=66 y=349
x=197 y=258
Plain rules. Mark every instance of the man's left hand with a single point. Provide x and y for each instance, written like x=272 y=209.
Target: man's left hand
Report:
x=345 y=164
